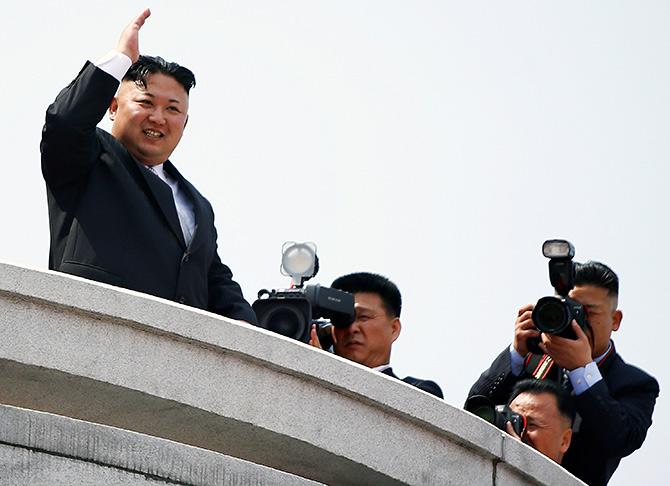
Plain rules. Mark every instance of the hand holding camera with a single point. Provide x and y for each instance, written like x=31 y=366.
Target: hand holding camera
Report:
x=568 y=353
x=524 y=329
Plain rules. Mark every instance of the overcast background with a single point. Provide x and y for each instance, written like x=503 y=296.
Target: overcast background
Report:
x=436 y=142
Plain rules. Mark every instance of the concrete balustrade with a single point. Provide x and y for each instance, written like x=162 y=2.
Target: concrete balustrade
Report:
x=110 y=356
x=51 y=450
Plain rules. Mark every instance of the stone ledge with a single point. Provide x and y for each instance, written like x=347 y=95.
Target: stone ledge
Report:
x=117 y=357
x=101 y=447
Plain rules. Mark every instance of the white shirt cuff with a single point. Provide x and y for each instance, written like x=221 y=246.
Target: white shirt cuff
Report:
x=115 y=64
x=516 y=361
x=585 y=377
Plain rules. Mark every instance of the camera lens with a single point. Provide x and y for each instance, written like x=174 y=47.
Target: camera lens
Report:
x=285 y=321
x=485 y=412
x=551 y=315
x=482 y=407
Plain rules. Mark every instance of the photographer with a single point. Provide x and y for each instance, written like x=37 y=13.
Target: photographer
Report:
x=614 y=400
x=549 y=410
x=369 y=339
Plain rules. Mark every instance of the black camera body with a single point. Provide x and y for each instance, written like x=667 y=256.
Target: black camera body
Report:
x=498 y=415
x=554 y=314
x=291 y=312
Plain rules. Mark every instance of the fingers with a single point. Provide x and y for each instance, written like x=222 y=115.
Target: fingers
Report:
x=510 y=430
x=579 y=332
x=314 y=338
x=566 y=352
x=139 y=20
x=524 y=329
x=525 y=308
x=524 y=318
x=527 y=334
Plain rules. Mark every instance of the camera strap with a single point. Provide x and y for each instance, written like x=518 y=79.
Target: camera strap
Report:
x=541 y=367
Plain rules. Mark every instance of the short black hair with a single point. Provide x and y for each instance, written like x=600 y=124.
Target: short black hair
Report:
x=598 y=274
x=565 y=401
x=146 y=65
x=374 y=284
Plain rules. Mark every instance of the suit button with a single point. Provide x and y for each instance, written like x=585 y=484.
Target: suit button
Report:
x=182 y=300
x=185 y=258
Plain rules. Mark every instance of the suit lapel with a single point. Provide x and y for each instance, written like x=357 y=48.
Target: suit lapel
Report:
x=198 y=205
x=162 y=194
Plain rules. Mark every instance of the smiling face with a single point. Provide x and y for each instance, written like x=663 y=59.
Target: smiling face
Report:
x=602 y=314
x=369 y=339
x=150 y=121
x=547 y=430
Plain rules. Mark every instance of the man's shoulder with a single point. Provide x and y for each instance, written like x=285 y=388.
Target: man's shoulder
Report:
x=425 y=385
x=619 y=372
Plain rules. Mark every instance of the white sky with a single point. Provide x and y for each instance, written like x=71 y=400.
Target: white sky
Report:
x=436 y=142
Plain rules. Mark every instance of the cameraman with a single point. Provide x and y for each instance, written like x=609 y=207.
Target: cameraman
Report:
x=369 y=339
x=614 y=400
x=549 y=410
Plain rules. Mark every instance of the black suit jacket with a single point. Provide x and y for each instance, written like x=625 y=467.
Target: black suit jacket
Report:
x=113 y=221
x=425 y=385
x=615 y=414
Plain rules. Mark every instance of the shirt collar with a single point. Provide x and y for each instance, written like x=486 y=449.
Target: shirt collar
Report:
x=158 y=169
x=602 y=356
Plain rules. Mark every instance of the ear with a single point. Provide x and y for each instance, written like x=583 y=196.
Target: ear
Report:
x=617 y=317
x=396 y=327
x=186 y=122
x=113 y=108
x=566 y=438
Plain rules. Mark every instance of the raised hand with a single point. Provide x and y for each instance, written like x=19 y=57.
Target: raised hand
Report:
x=129 y=41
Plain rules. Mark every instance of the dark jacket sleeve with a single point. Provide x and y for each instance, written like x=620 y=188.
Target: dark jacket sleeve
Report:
x=224 y=294
x=496 y=382
x=425 y=385
x=69 y=146
x=617 y=420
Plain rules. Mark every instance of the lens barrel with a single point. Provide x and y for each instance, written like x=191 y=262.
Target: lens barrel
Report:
x=498 y=415
x=552 y=315
x=290 y=317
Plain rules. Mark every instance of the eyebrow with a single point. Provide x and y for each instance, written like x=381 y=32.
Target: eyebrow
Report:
x=363 y=310
x=592 y=306
x=171 y=100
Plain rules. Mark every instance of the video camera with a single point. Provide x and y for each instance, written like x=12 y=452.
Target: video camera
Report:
x=554 y=314
x=291 y=312
x=498 y=415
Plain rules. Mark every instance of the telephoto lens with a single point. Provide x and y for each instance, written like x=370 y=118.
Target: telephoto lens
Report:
x=498 y=415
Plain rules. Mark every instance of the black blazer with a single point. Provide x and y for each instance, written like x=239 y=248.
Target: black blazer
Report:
x=615 y=414
x=113 y=221
x=425 y=385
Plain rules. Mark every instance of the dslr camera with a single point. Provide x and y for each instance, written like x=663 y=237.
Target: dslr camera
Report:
x=554 y=314
x=498 y=415
x=291 y=312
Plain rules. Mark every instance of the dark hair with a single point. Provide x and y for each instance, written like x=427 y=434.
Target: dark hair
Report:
x=375 y=284
x=147 y=65
x=565 y=401
x=598 y=274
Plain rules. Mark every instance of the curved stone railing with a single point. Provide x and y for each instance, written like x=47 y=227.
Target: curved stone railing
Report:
x=110 y=356
x=45 y=449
